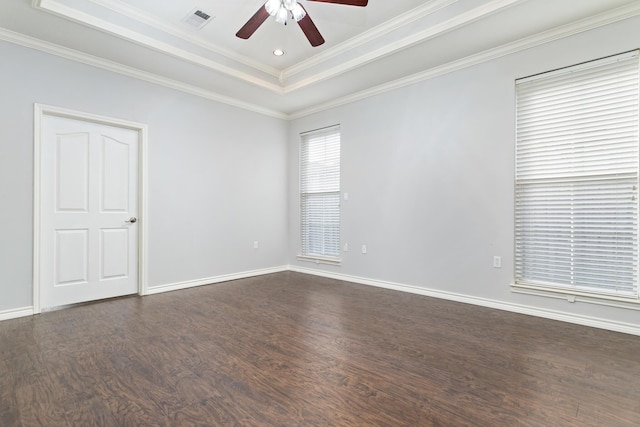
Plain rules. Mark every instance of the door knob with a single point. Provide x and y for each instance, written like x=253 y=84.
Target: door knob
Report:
x=132 y=219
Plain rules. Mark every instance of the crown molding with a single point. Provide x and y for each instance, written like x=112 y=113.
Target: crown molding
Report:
x=368 y=36
x=56 y=8
x=419 y=37
x=596 y=21
x=140 y=16
x=609 y=17
x=282 y=87
x=94 y=61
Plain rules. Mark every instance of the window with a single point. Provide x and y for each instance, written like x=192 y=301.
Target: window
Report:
x=576 y=219
x=320 y=194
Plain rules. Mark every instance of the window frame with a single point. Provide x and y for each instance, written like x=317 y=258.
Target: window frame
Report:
x=577 y=292
x=319 y=258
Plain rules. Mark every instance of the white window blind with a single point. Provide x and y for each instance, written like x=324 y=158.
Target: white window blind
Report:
x=320 y=192
x=576 y=220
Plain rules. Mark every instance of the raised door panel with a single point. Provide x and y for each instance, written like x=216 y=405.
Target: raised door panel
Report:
x=72 y=172
x=115 y=253
x=71 y=257
x=115 y=175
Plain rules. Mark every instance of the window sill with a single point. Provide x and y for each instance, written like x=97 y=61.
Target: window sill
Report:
x=573 y=296
x=319 y=259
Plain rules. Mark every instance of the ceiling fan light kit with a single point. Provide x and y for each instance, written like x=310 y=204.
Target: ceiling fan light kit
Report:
x=282 y=10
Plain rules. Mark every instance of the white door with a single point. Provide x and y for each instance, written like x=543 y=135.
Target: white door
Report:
x=88 y=210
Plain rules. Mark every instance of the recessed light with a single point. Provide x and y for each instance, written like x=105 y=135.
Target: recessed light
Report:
x=278 y=52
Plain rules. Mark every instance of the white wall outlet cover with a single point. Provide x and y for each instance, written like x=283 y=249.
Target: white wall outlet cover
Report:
x=497 y=262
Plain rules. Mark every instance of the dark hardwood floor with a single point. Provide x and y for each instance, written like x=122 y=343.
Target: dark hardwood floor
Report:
x=289 y=349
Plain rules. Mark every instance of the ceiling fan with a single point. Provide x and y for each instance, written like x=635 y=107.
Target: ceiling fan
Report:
x=282 y=10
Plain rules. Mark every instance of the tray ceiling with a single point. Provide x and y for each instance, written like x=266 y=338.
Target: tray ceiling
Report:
x=368 y=49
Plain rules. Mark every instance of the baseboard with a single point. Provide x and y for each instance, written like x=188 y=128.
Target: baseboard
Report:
x=14 y=313
x=593 y=322
x=216 y=279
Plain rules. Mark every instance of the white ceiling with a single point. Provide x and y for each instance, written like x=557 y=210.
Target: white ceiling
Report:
x=368 y=49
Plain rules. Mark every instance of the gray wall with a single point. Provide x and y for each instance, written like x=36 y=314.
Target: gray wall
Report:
x=429 y=170
x=217 y=174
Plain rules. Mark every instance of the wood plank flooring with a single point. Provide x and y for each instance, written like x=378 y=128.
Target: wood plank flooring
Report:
x=289 y=349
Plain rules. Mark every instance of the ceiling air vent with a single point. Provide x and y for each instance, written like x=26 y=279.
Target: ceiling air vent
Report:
x=197 y=19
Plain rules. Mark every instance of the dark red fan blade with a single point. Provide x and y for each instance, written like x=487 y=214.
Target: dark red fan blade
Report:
x=310 y=30
x=253 y=23
x=346 y=2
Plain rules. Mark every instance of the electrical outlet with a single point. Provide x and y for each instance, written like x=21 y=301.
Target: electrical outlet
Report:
x=346 y=247
x=256 y=245
x=497 y=261
x=346 y=196
x=364 y=249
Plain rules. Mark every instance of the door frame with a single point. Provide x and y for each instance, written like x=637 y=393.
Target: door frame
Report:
x=41 y=110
